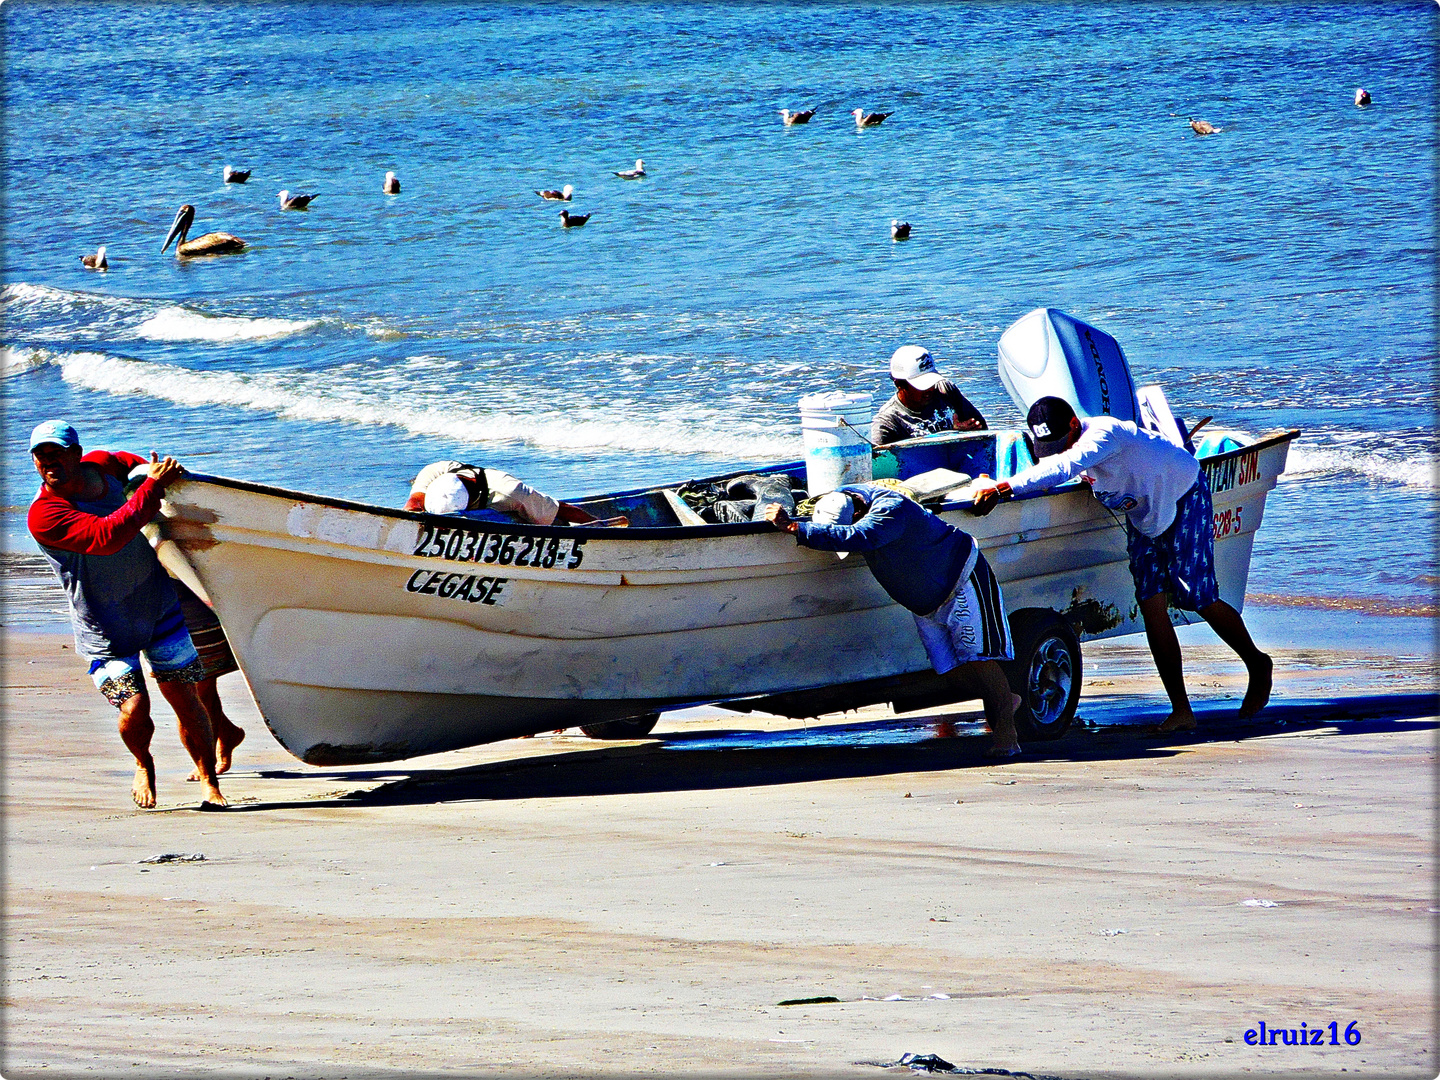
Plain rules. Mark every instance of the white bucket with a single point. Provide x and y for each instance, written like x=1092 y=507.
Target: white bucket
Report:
x=835 y=425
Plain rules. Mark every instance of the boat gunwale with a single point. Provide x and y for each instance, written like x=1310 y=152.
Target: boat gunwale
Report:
x=663 y=532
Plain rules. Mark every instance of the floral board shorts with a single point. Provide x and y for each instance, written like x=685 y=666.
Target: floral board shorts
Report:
x=1181 y=560
x=970 y=624
x=171 y=655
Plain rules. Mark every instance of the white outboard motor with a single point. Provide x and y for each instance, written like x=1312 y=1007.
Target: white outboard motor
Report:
x=1050 y=354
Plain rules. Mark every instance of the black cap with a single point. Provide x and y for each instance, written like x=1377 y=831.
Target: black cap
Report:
x=1049 y=423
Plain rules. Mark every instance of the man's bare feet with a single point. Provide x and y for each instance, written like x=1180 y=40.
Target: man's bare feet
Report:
x=225 y=743
x=1177 y=722
x=143 y=788
x=211 y=793
x=1258 y=694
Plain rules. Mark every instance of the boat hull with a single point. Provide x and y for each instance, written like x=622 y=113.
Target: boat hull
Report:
x=368 y=634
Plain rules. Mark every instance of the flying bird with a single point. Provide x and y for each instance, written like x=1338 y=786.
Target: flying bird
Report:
x=633 y=174
x=864 y=119
x=294 y=202
x=563 y=195
x=571 y=221
x=236 y=176
x=1362 y=97
x=215 y=243
x=392 y=185
x=899 y=230
x=801 y=117
x=1203 y=127
x=96 y=261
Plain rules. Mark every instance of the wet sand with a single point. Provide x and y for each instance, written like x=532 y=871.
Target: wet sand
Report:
x=562 y=907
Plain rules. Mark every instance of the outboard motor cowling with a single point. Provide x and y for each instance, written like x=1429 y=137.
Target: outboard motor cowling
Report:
x=1050 y=354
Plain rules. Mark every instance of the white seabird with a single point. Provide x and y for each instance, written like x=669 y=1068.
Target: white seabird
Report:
x=633 y=174
x=899 y=230
x=96 y=261
x=801 y=117
x=571 y=221
x=295 y=202
x=391 y=185
x=864 y=119
x=563 y=195
x=236 y=176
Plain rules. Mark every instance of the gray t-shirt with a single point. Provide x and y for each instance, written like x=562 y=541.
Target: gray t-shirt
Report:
x=895 y=422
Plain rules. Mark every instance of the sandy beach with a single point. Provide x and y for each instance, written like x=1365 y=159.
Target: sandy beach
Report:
x=1114 y=903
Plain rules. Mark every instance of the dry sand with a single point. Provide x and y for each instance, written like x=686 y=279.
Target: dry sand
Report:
x=562 y=907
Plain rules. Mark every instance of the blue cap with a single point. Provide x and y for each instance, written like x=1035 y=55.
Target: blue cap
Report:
x=57 y=432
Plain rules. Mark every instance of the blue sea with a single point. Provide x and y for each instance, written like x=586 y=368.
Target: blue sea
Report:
x=1277 y=274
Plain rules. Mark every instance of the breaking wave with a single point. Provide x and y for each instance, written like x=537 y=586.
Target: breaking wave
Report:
x=361 y=398
x=1394 y=466
x=182 y=324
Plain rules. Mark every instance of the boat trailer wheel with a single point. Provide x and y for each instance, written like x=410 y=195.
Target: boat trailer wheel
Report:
x=630 y=727
x=1046 y=673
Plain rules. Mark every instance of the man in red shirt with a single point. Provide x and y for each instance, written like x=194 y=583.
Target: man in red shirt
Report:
x=121 y=599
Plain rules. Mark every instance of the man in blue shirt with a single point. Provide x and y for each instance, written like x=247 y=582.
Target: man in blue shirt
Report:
x=934 y=570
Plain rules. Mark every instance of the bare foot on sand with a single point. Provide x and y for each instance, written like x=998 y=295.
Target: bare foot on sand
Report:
x=143 y=789
x=1258 y=694
x=1002 y=752
x=1177 y=722
x=211 y=794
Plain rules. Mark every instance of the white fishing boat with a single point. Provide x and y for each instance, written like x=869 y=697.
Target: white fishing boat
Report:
x=374 y=634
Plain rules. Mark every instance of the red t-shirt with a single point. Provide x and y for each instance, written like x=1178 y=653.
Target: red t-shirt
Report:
x=58 y=523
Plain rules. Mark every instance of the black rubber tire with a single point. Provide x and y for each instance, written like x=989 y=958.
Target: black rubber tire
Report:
x=1047 y=672
x=631 y=727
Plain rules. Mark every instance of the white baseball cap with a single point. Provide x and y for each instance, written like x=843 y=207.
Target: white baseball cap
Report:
x=915 y=366
x=446 y=495
x=833 y=508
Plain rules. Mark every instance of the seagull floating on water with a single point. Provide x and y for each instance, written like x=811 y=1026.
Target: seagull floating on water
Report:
x=391 y=185
x=801 y=117
x=215 y=243
x=1203 y=127
x=899 y=230
x=1362 y=97
x=864 y=119
x=572 y=221
x=563 y=195
x=96 y=261
x=633 y=174
x=236 y=176
x=294 y=202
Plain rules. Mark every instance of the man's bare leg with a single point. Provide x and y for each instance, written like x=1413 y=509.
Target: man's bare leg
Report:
x=1165 y=648
x=195 y=734
x=136 y=731
x=1227 y=623
x=1000 y=705
x=227 y=734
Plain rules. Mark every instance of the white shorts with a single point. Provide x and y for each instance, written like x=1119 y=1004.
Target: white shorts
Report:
x=970 y=625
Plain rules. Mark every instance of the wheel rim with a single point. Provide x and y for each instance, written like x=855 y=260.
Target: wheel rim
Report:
x=1047 y=686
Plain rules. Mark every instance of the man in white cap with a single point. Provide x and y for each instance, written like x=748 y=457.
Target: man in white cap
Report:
x=121 y=601
x=934 y=570
x=453 y=487
x=924 y=402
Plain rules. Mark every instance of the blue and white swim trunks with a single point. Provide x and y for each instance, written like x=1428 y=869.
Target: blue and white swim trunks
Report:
x=1181 y=560
x=171 y=655
x=970 y=625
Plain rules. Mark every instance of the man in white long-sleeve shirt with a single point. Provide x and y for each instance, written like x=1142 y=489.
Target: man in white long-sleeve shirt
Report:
x=1170 y=529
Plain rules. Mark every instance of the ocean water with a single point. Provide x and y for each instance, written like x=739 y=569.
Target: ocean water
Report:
x=1278 y=274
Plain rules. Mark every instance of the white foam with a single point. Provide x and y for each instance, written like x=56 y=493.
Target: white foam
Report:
x=16 y=359
x=349 y=396
x=182 y=324
x=1397 y=466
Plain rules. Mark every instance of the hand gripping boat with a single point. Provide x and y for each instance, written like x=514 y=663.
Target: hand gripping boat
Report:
x=371 y=634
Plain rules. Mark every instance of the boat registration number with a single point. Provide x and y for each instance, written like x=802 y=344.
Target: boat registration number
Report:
x=461 y=544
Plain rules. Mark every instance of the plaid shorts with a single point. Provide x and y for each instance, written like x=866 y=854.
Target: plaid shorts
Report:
x=1181 y=560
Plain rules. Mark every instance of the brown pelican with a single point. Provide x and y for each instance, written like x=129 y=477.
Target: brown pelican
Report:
x=1362 y=97
x=633 y=174
x=571 y=221
x=801 y=117
x=214 y=243
x=96 y=261
x=873 y=119
x=563 y=195
x=1203 y=127
x=392 y=186
x=899 y=230
x=294 y=202
x=236 y=176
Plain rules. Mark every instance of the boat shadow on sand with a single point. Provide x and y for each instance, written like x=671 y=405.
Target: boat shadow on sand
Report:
x=750 y=758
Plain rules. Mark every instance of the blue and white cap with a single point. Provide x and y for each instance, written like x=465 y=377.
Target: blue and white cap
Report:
x=55 y=432
x=915 y=366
